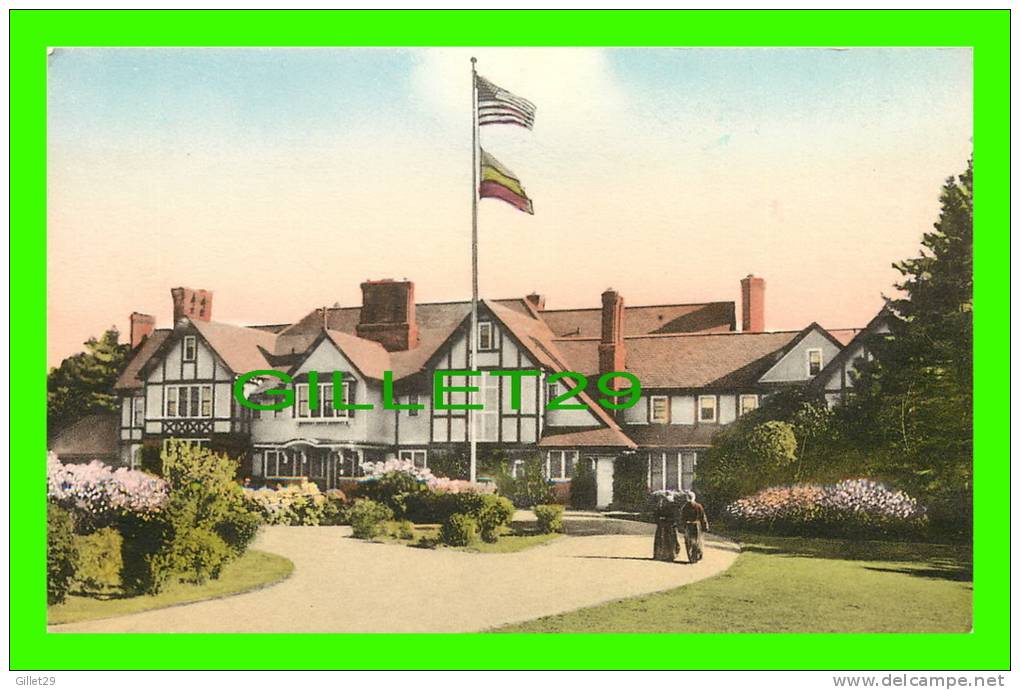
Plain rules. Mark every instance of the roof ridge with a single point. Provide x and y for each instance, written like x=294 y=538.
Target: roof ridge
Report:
x=645 y=306
x=677 y=335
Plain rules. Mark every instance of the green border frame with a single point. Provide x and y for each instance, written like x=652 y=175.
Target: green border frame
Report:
x=31 y=31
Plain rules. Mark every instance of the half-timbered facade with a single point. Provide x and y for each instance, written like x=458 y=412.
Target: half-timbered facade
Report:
x=697 y=373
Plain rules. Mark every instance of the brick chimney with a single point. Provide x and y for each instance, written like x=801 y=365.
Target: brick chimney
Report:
x=752 y=304
x=612 y=352
x=536 y=300
x=387 y=314
x=195 y=304
x=141 y=327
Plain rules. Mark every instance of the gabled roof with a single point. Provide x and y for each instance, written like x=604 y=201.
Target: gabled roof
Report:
x=129 y=379
x=242 y=349
x=369 y=357
x=851 y=348
x=644 y=320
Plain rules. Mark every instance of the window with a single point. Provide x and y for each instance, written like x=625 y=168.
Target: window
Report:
x=189 y=401
x=486 y=336
x=814 y=362
x=688 y=463
x=189 y=348
x=559 y=464
x=748 y=403
x=412 y=399
x=324 y=410
x=706 y=408
x=137 y=411
x=659 y=409
x=664 y=471
x=486 y=420
x=418 y=457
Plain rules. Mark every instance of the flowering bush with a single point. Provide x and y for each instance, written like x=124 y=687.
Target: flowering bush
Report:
x=97 y=493
x=459 y=486
x=376 y=470
x=296 y=504
x=851 y=507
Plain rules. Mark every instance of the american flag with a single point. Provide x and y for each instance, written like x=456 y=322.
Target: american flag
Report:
x=498 y=106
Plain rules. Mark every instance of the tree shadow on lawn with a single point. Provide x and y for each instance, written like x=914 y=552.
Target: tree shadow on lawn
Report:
x=952 y=559
x=935 y=570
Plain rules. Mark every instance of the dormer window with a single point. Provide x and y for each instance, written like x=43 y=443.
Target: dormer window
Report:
x=814 y=362
x=189 y=348
x=486 y=336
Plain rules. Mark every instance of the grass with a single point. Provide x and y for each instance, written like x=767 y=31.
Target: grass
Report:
x=427 y=536
x=791 y=584
x=253 y=570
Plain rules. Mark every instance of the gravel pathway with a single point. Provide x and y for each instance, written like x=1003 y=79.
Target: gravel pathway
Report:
x=342 y=584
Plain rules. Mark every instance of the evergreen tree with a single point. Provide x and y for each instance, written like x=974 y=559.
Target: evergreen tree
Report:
x=83 y=383
x=913 y=402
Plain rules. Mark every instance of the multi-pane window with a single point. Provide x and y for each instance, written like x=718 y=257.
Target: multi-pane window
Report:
x=486 y=336
x=559 y=464
x=188 y=401
x=189 y=348
x=486 y=420
x=814 y=362
x=671 y=471
x=325 y=409
x=659 y=409
x=137 y=411
x=418 y=457
x=707 y=408
x=748 y=403
x=412 y=399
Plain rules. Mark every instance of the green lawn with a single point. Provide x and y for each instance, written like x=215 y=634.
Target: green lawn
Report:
x=789 y=584
x=427 y=536
x=253 y=570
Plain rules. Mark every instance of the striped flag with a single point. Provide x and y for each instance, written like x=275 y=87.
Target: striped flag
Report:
x=499 y=183
x=498 y=106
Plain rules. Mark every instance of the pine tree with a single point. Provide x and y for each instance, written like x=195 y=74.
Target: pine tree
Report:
x=83 y=383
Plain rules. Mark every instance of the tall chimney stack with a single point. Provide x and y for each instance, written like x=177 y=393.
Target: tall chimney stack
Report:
x=752 y=301
x=194 y=304
x=141 y=327
x=612 y=352
x=387 y=314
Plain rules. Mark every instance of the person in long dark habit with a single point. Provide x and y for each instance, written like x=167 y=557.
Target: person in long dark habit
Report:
x=667 y=515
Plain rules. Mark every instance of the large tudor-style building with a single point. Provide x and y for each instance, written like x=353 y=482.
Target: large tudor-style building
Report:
x=696 y=369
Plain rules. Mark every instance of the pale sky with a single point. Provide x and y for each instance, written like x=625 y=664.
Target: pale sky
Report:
x=282 y=178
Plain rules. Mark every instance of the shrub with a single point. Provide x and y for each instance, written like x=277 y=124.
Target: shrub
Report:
x=630 y=482
x=335 y=511
x=61 y=554
x=99 y=560
x=582 y=486
x=773 y=444
x=496 y=512
x=404 y=530
x=550 y=518
x=436 y=506
x=367 y=518
x=296 y=505
x=459 y=530
x=189 y=537
x=98 y=495
x=529 y=488
x=851 y=508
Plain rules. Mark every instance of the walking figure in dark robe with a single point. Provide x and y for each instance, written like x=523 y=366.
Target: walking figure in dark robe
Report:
x=667 y=545
x=695 y=524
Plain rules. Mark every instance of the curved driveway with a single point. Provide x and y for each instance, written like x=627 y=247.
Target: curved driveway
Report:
x=342 y=584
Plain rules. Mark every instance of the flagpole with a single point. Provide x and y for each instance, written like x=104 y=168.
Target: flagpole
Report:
x=473 y=335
